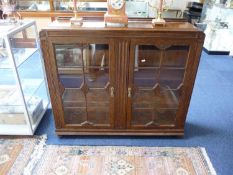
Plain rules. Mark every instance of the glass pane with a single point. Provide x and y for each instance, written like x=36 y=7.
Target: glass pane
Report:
x=142 y=116
x=4 y=59
x=176 y=56
x=169 y=99
x=171 y=78
x=75 y=115
x=74 y=106
x=153 y=106
x=97 y=78
x=8 y=77
x=37 y=103
x=145 y=77
x=73 y=98
x=154 y=117
x=98 y=106
x=65 y=5
x=158 y=78
x=145 y=99
x=29 y=5
x=69 y=55
x=94 y=55
x=167 y=117
x=71 y=81
x=30 y=71
x=99 y=55
x=31 y=74
x=23 y=45
x=33 y=85
x=11 y=105
x=147 y=56
x=137 y=9
x=84 y=75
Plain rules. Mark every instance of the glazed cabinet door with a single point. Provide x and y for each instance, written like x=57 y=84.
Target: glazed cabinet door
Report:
x=156 y=79
x=85 y=77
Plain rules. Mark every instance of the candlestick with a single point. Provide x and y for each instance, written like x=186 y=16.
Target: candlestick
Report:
x=161 y=6
x=76 y=20
x=159 y=20
x=75 y=5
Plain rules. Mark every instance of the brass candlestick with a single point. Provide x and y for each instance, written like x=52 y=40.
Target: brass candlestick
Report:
x=159 y=8
x=78 y=21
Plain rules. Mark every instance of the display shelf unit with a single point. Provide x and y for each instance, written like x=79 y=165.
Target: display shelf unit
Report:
x=219 y=28
x=135 y=80
x=94 y=8
x=23 y=87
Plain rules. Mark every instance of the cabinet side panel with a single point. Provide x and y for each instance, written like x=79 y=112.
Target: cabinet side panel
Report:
x=189 y=79
x=52 y=89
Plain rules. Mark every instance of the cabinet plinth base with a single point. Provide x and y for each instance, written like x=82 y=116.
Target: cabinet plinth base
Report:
x=169 y=132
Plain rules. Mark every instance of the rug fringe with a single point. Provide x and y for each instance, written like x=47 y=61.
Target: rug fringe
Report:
x=211 y=168
x=36 y=155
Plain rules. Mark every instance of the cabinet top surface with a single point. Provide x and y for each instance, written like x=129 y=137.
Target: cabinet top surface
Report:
x=132 y=26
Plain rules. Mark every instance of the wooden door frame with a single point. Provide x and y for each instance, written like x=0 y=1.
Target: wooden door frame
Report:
x=54 y=84
x=163 y=42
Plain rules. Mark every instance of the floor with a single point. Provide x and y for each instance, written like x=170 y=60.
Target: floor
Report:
x=209 y=120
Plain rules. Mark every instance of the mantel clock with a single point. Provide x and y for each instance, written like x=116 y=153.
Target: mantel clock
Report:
x=116 y=12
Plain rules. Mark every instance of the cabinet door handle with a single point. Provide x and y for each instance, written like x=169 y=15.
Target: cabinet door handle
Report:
x=129 y=92
x=112 y=91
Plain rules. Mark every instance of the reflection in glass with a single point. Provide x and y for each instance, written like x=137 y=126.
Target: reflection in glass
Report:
x=171 y=78
x=147 y=56
x=84 y=74
x=146 y=77
x=29 y=5
x=85 y=56
x=67 y=5
x=175 y=56
x=158 y=81
x=97 y=78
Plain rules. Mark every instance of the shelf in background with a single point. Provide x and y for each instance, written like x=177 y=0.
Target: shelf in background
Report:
x=12 y=108
x=216 y=52
x=10 y=96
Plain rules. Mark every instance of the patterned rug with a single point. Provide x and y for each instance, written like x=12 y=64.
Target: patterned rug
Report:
x=30 y=156
x=72 y=160
x=16 y=153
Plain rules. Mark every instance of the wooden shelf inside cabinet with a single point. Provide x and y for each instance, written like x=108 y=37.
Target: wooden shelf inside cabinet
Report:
x=135 y=80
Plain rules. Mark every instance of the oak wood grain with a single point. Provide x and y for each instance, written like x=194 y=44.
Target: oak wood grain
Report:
x=151 y=73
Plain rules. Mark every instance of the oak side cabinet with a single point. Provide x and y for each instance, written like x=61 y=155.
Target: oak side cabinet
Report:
x=136 y=80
